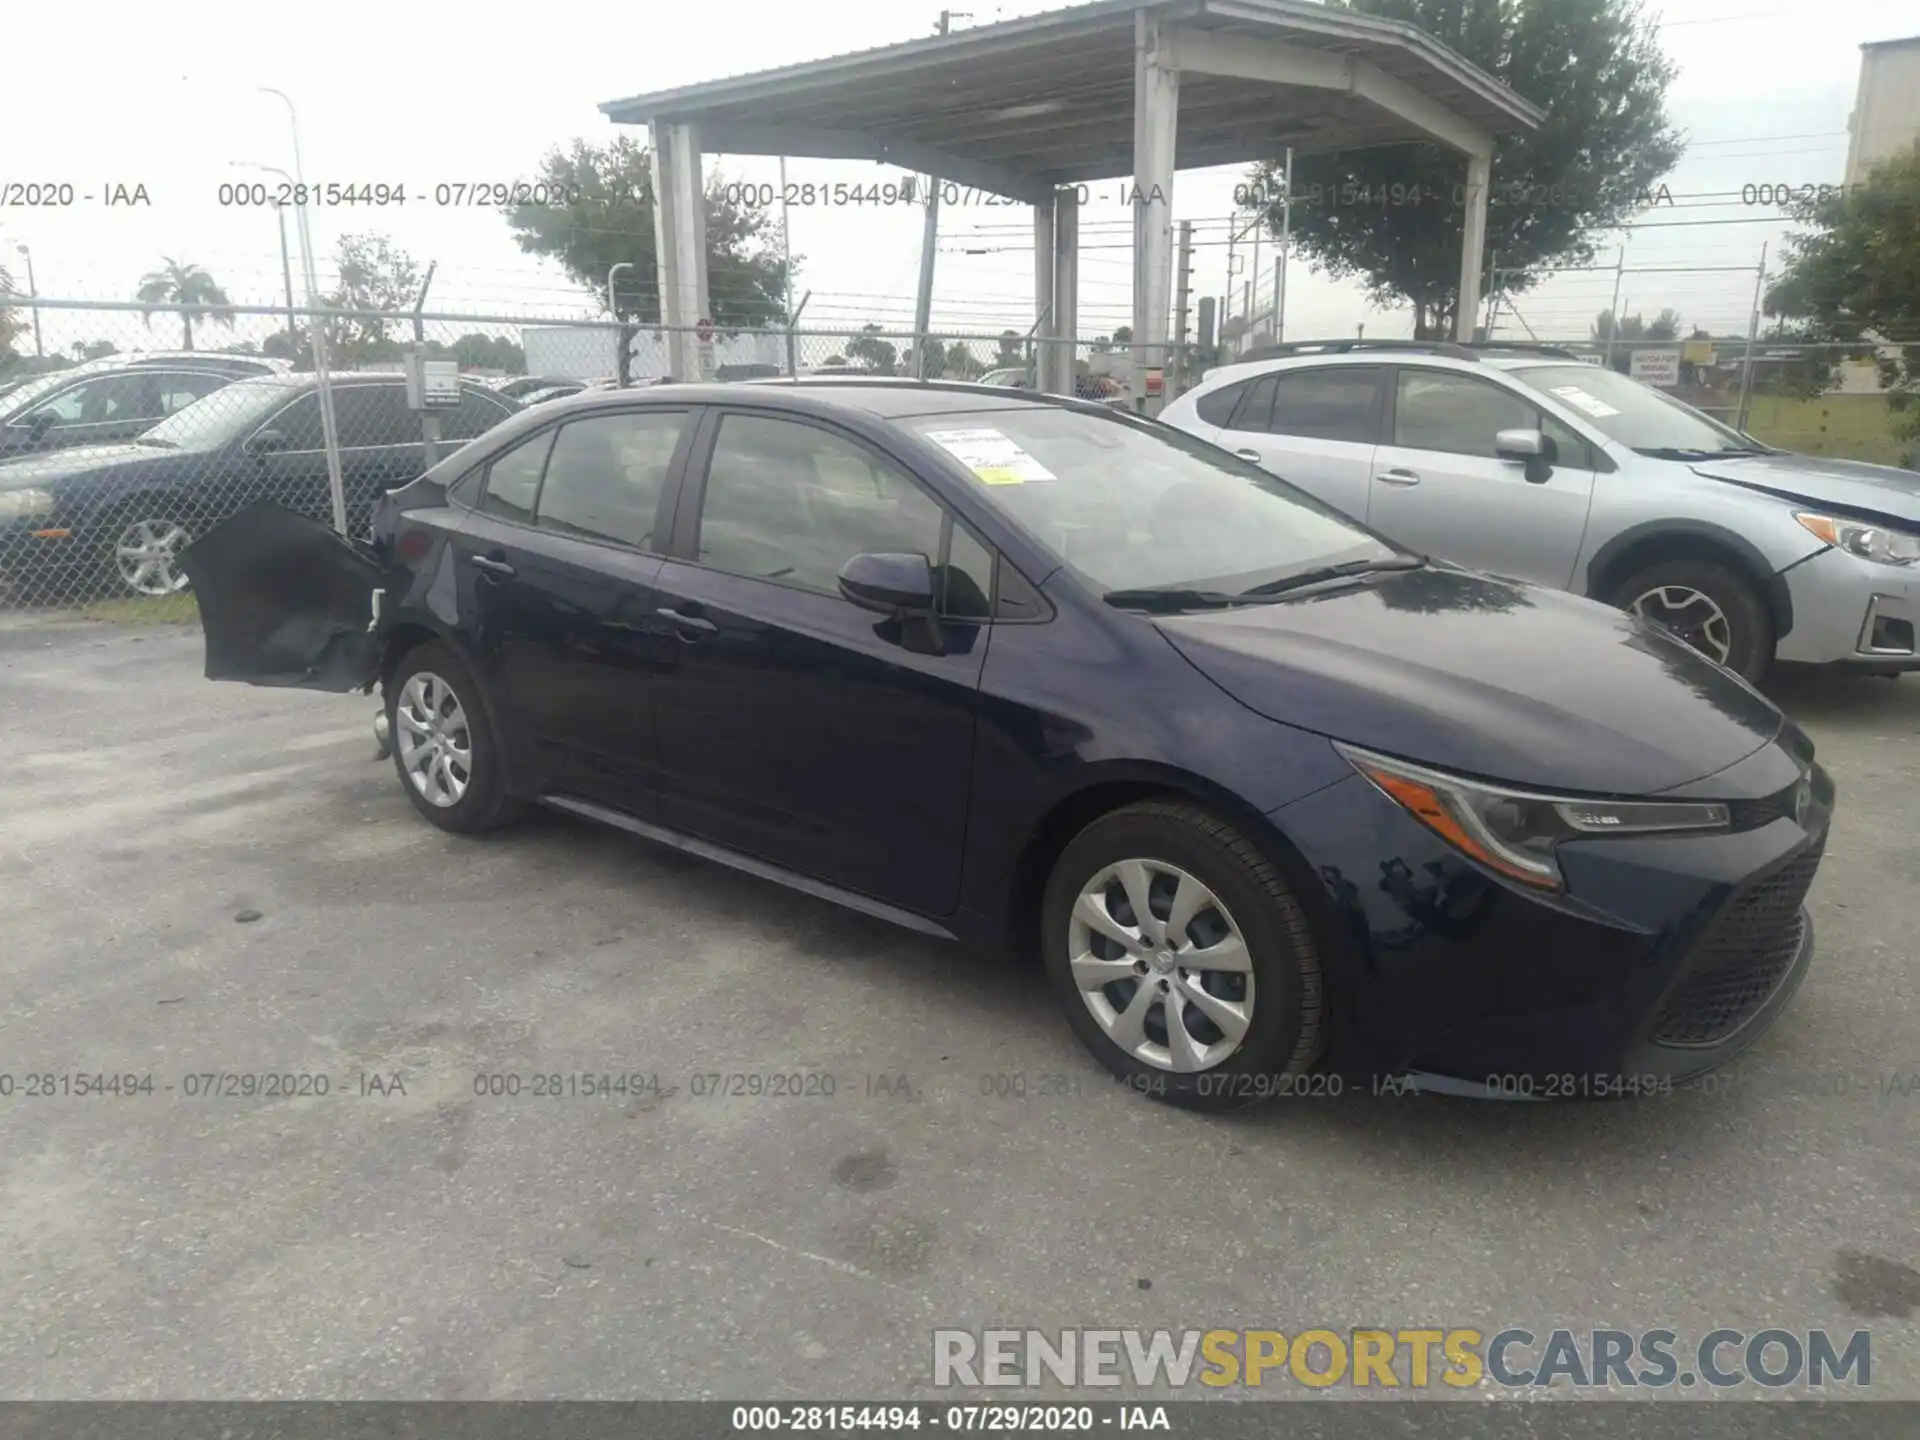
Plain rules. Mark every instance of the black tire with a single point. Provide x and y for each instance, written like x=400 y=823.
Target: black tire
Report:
x=485 y=804
x=162 y=514
x=1749 y=627
x=1284 y=1034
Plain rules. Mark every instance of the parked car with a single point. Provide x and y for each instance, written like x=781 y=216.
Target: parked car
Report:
x=87 y=405
x=544 y=393
x=518 y=387
x=118 y=515
x=1265 y=790
x=1530 y=463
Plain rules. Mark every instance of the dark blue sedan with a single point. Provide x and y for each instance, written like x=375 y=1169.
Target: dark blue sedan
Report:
x=1271 y=799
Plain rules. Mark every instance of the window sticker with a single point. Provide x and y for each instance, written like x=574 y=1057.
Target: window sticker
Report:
x=993 y=457
x=1594 y=406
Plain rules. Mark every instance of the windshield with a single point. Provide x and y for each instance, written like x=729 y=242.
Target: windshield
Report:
x=1131 y=506
x=1634 y=414
x=225 y=415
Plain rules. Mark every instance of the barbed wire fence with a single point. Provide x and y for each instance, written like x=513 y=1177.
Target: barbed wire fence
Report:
x=144 y=426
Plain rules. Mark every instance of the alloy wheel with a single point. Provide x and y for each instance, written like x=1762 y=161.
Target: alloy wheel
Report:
x=146 y=553
x=435 y=743
x=1690 y=614
x=1161 y=965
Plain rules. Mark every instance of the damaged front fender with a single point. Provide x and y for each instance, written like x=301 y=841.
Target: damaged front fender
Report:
x=286 y=601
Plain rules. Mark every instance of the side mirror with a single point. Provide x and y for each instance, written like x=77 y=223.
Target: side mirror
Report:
x=265 y=442
x=1533 y=449
x=898 y=586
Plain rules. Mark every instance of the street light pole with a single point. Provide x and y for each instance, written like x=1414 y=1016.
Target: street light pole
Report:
x=623 y=343
x=328 y=424
x=286 y=271
x=33 y=295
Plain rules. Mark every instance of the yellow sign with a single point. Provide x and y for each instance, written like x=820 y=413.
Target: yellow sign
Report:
x=1697 y=352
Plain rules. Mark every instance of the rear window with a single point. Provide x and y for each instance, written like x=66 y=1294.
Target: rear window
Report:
x=1216 y=407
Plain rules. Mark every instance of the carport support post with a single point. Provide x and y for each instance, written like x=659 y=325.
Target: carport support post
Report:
x=1156 y=119
x=1066 y=290
x=1043 y=294
x=1473 y=242
x=680 y=244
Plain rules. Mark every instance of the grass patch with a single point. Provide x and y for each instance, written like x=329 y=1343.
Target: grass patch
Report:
x=143 y=610
x=1847 y=427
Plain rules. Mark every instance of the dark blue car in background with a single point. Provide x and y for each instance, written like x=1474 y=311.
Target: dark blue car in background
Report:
x=1270 y=798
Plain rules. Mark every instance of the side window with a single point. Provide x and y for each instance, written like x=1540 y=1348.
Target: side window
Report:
x=1573 y=450
x=1439 y=410
x=102 y=401
x=513 y=479
x=792 y=502
x=300 y=423
x=374 y=415
x=1338 y=403
x=965 y=588
x=1216 y=407
x=606 y=473
x=1257 y=408
x=474 y=415
x=179 y=391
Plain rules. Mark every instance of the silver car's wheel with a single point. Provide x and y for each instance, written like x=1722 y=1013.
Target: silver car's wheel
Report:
x=1161 y=965
x=434 y=740
x=146 y=555
x=1691 y=615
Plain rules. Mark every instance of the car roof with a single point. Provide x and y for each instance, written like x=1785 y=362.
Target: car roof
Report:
x=1444 y=355
x=883 y=396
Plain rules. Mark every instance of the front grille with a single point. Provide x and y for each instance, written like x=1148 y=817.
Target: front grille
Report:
x=1742 y=960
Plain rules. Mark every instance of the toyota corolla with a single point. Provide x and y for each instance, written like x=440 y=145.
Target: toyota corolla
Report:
x=1265 y=793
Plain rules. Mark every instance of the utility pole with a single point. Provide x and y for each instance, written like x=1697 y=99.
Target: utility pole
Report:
x=929 y=237
x=786 y=261
x=1753 y=332
x=1613 y=314
x=1286 y=245
x=429 y=419
x=622 y=336
x=286 y=275
x=1176 y=380
x=33 y=294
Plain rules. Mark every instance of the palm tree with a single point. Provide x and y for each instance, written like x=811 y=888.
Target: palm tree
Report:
x=186 y=288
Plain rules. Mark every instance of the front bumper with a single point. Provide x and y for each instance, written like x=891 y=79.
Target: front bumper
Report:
x=1665 y=957
x=1852 y=612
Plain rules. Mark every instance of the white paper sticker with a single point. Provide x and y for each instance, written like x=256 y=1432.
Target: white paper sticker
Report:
x=1594 y=406
x=991 y=456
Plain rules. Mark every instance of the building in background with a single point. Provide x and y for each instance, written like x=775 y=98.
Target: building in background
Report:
x=1886 y=106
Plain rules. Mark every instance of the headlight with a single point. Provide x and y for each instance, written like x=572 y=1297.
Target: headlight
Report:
x=1868 y=541
x=1516 y=832
x=17 y=504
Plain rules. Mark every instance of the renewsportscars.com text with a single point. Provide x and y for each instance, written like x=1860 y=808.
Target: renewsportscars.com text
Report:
x=1418 y=1359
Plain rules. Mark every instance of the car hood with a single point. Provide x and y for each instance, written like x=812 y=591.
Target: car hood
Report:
x=1485 y=677
x=36 y=470
x=1847 y=484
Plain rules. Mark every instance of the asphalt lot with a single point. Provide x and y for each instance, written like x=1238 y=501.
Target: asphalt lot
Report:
x=430 y=1242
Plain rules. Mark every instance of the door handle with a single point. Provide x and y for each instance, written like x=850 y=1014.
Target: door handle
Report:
x=699 y=624
x=492 y=566
x=1253 y=455
x=1397 y=476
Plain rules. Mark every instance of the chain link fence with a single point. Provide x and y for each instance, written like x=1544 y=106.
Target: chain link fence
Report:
x=116 y=453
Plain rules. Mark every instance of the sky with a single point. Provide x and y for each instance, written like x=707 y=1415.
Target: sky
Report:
x=422 y=95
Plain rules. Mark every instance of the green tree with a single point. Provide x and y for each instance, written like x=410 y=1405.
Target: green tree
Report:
x=608 y=218
x=1394 y=215
x=1123 y=335
x=178 y=285
x=870 y=352
x=378 y=279
x=477 y=351
x=1852 y=279
x=11 y=325
x=1012 y=351
x=962 y=363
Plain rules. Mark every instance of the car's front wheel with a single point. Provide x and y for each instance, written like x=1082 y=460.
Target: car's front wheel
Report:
x=141 y=545
x=1182 y=957
x=444 y=748
x=1709 y=606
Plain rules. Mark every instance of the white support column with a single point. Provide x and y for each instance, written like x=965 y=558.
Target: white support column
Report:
x=1156 y=118
x=1043 y=211
x=1473 y=242
x=680 y=244
x=1066 y=288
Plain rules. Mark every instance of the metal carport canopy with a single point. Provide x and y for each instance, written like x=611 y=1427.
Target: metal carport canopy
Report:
x=1096 y=91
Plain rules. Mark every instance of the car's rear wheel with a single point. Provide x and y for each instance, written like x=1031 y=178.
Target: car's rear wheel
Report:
x=1711 y=607
x=140 y=550
x=444 y=747
x=1183 y=959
